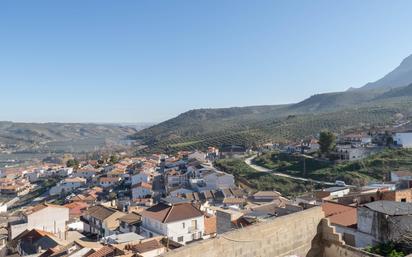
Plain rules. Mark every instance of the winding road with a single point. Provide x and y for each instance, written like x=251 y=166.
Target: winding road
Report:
x=248 y=161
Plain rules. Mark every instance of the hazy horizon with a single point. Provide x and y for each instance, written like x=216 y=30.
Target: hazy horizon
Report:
x=146 y=61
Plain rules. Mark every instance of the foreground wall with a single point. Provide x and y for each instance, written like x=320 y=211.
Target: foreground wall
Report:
x=291 y=235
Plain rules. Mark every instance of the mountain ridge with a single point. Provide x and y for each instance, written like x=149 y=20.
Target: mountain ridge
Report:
x=399 y=77
x=372 y=105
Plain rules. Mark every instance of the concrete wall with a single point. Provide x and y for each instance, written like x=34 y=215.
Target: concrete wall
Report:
x=360 y=240
x=398 y=195
x=289 y=235
x=304 y=233
x=332 y=244
x=335 y=250
x=382 y=227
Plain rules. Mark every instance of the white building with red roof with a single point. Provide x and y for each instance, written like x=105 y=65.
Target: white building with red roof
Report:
x=174 y=218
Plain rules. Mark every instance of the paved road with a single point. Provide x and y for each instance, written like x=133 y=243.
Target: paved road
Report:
x=248 y=161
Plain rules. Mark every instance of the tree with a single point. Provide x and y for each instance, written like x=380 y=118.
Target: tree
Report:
x=114 y=159
x=326 y=141
x=72 y=163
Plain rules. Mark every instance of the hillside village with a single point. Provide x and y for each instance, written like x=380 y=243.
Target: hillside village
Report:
x=158 y=204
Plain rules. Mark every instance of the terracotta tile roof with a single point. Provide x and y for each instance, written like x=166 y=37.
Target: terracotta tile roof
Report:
x=75 y=180
x=116 y=172
x=144 y=185
x=131 y=218
x=107 y=179
x=170 y=213
x=34 y=234
x=40 y=207
x=210 y=225
x=76 y=208
x=78 y=198
x=231 y=200
x=100 y=212
x=104 y=251
x=146 y=246
x=237 y=192
x=340 y=214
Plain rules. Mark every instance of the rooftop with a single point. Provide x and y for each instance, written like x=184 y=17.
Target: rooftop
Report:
x=131 y=218
x=100 y=212
x=340 y=214
x=267 y=194
x=146 y=246
x=123 y=238
x=390 y=207
x=167 y=213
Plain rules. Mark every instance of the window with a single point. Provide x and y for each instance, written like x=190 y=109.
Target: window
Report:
x=194 y=224
x=403 y=200
x=183 y=225
x=180 y=238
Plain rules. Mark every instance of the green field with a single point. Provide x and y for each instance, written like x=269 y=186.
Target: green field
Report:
x=253 y=180
x=373 y=168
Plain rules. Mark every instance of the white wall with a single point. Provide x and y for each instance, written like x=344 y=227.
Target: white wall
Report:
x=174 y=230
x=50 y=219
x=404 y=139
x=141 y=177
x=340 y=193
x=140 y=192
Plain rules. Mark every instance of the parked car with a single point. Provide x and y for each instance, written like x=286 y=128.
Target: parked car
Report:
x=340 y=183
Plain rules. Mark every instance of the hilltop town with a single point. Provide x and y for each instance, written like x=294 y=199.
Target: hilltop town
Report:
x=205 y=128
x=168 y=204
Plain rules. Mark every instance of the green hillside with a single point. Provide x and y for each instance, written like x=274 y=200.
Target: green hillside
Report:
x=251 y=180
x=373 y=168
x=280 y=124
x=377 y=104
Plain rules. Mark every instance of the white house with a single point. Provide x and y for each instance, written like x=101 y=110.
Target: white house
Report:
x=142 y=190
x=87 y=173
x=64 y=172
x=219 y=180
x=101 y=221
x=180 y=191
x=145 y=176
x=404 y=139
x=67 y=185
x=175 y=179
x=176 y=219
x=335 y=192
x=46 y=217
x=109 y=181
x=32 y=176
x=199 y=156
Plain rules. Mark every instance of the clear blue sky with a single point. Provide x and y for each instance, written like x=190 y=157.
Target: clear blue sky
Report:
x=133 y=61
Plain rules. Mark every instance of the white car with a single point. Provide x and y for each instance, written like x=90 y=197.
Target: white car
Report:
x=340 y=183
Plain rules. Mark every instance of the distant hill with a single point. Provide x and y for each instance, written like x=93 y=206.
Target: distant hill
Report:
x=399 y=77
x=376 y=104
x=30 y=137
